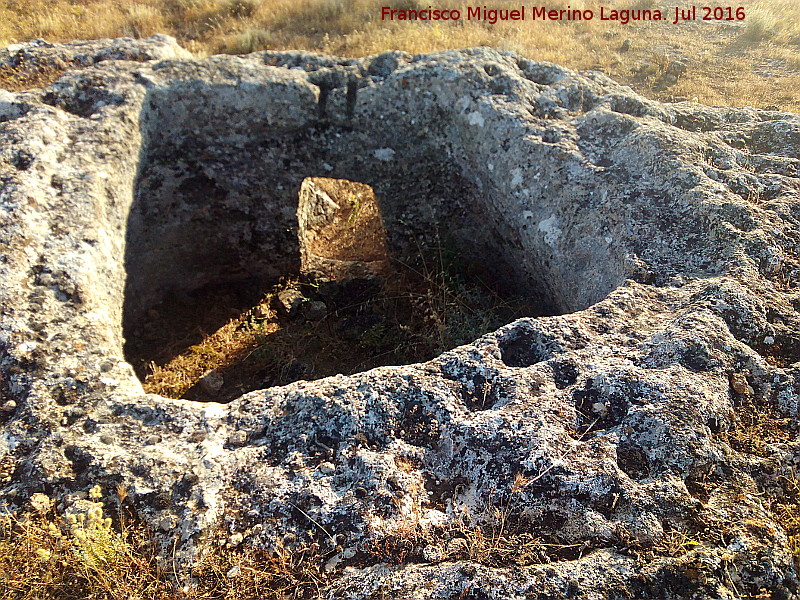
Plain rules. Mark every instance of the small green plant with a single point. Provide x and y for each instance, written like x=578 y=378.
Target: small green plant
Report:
x=81 y=555
x=355 y=206
x=92 y=536
x=377 y=338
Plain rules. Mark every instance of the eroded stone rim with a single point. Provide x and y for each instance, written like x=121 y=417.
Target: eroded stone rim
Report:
x=704 y=254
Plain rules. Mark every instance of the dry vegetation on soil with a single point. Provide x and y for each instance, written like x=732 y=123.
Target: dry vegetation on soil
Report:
x=754 y=62
x=105 y=553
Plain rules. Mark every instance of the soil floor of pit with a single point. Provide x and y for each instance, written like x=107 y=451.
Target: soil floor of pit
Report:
x=217 y=343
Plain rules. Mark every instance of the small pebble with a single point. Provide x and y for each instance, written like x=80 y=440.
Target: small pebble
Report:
x=212 y=382
x=289 y=301
x=233 y=572
x=332 y=563
x=432 y=553
x=238 y=438
x=261 y=311
x=314 y=310
x=457 y=546
x=41 y=502
x=739 y=384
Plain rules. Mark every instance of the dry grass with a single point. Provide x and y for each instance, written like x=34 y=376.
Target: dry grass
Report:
x=787 y=511
x=757 y=424
x=232 y=343
x=752 y=62
x=495 y=534
x=44 y=556
x=281 y=574
x=23 y=77
x=417 y=313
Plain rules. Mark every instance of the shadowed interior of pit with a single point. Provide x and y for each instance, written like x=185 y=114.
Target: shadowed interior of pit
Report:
x=349 y=307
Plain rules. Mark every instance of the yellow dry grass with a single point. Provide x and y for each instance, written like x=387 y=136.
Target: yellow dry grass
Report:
x=45 y=555
x=753 y=62
x=406 y=313
x=42 y=557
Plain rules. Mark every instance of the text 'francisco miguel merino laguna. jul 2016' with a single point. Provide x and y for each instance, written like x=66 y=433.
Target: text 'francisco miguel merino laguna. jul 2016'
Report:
x=490 y=15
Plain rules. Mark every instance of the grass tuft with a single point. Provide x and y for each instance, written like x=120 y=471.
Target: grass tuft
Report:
x=81 y=555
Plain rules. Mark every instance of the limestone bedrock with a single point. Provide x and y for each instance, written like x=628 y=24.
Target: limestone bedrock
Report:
x=662 y=238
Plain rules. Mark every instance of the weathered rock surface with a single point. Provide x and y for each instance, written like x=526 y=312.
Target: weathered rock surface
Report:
x=40 y=55
x=663 y=239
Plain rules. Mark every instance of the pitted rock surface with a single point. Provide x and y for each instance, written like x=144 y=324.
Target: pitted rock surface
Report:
x=40 y=54
x=662 y=238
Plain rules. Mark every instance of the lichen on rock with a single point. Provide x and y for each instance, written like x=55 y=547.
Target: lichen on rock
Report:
x=582 y=454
